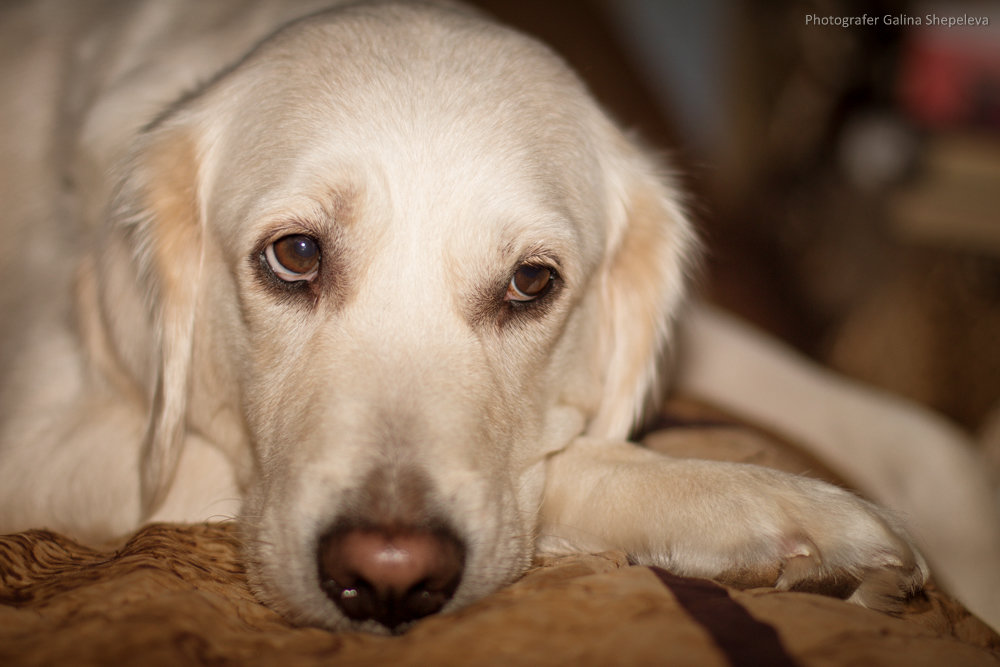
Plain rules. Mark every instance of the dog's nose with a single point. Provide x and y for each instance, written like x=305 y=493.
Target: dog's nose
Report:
x=392 y=576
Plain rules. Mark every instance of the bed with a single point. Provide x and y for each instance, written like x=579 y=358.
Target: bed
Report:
x=177 y=594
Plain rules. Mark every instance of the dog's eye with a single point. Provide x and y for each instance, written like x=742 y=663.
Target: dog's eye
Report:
x=294 y=257
x=529 y=282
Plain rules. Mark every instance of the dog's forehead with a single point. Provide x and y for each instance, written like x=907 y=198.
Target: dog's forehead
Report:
x=426 y=109
x=426 y=84
x=403 y=65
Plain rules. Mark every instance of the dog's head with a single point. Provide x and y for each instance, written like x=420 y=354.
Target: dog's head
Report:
x=395 y=258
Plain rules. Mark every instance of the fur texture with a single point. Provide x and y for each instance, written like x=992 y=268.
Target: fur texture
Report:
x=428 y=155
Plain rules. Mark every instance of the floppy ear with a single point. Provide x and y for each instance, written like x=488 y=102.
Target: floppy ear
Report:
x=157 y=230
x=643 y=281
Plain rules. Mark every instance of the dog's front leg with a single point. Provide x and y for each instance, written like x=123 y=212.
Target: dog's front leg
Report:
x=738 y=523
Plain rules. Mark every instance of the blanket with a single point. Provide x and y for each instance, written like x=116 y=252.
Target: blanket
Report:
x=177 y=594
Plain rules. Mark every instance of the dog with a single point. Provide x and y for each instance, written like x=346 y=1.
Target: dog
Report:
x=384 y=282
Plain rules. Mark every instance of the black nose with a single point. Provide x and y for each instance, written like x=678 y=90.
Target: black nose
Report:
x=390 y=575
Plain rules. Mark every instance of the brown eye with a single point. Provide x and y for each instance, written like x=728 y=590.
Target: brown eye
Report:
x=528 y=283
x=293 y=258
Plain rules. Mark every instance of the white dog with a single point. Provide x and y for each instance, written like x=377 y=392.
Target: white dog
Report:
x=388 y=286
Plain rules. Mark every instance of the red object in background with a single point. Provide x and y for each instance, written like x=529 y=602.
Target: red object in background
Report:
x=951 y=76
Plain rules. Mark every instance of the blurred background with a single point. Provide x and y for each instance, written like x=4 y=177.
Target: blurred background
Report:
x=846 y=179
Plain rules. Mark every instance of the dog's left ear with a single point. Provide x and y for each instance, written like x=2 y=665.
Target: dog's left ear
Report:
x=157 y=229
x=643 y=281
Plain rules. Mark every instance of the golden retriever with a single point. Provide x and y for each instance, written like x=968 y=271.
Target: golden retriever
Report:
x=383 y=282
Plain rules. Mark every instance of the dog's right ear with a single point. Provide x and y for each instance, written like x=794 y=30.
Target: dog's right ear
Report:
x=153 y=248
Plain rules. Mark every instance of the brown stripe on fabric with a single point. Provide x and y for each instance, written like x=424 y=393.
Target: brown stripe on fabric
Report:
x=743 y=639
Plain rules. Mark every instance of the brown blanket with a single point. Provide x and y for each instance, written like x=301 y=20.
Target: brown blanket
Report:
x=178 y=595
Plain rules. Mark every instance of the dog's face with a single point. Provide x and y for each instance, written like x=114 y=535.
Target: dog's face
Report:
x=406 y=249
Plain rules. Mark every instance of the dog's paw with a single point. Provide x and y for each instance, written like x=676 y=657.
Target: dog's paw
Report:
x=814 y=537
x=740 y=524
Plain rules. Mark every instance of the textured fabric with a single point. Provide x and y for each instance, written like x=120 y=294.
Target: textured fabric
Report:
x=177 y=595
x=745 y=640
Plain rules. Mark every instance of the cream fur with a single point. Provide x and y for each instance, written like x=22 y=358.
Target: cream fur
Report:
x=430 y=152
